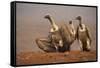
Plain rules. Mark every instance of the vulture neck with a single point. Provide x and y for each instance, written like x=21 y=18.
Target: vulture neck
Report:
x=80 y=24
x=53 y=24
x=72 y=29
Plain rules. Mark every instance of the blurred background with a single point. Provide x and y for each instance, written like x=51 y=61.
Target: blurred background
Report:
x=31 y=24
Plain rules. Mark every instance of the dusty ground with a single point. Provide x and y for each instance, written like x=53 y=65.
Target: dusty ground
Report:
x=45 y=58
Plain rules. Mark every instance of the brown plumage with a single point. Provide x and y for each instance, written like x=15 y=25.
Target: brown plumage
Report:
x=68 y=35
x=83 y=35
x=59 y=39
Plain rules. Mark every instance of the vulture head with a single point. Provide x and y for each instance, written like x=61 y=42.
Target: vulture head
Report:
x=47 y=16
x=78 y=18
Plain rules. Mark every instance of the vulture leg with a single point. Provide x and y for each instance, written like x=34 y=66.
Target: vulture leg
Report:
x=81 y=45
x=88 y=45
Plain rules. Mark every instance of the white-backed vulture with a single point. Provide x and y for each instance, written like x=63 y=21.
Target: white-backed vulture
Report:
x=53 y=41
x=83 y=35
x=54 y=33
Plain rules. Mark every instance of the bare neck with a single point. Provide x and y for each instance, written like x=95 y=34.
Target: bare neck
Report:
x=72 y=29
x=80 y=24
x=51 y=20
x=53 y=24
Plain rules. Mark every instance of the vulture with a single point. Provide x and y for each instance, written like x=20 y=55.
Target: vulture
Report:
x=62 y=36
x=54 y=41
x=54 y=35
x=68 y=34
x=83 y=35
x=59 y=38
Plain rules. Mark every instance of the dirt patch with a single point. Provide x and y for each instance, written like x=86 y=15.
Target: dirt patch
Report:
x=45 y=58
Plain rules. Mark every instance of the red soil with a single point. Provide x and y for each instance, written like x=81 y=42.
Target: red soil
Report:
x=45 y=58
